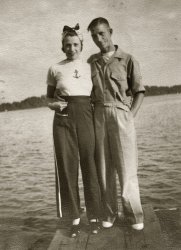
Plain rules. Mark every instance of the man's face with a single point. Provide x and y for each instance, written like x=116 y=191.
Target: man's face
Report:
x=72 y=47
x=101 y=35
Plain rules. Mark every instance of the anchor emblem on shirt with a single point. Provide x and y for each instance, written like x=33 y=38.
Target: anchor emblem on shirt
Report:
x=77 y=75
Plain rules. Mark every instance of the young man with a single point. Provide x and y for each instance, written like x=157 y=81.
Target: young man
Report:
x=117 y=95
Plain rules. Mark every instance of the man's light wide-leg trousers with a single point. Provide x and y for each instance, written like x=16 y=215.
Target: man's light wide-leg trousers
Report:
x=116 y=151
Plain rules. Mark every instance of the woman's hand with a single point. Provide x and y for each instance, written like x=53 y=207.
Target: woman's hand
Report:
x=57 y=106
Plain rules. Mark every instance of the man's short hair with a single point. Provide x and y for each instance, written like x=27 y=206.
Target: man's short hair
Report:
x=97 y=21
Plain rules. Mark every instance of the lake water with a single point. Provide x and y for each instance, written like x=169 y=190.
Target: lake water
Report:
x=27 y=182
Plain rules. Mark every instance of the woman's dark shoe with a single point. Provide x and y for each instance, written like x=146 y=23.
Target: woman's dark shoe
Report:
x=75 y=231
x=94 y=227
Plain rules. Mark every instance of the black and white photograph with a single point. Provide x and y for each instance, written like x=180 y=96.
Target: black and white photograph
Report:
x=90 y=125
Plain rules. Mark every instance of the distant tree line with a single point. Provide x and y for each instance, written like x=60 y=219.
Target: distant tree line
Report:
x=162 y=90
x=28 y=103
x=35 y=102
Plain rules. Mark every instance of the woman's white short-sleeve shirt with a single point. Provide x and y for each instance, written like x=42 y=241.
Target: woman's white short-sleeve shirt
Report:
x=71 y=78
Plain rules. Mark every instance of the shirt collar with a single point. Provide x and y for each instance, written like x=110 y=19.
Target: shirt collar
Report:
x=118 y=53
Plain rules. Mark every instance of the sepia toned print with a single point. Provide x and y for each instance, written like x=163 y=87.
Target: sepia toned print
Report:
x=30 y=42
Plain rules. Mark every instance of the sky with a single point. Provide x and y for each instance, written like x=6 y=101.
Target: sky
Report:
x=30 y=39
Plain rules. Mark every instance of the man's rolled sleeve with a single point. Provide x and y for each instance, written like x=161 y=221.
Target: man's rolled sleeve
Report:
x=134 y=77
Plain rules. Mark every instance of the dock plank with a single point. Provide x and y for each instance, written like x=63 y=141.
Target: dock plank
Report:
x=134 y=240
x=82 y=241
x=62 y=240
x=120 y=236
x=55 y=243
x=112 y=239
x=152 y=230
x=149 y=238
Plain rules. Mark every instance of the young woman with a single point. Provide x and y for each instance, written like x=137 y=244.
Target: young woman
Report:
x=69 y=88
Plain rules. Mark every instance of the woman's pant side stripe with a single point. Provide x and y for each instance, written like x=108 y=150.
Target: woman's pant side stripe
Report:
x=59 y=206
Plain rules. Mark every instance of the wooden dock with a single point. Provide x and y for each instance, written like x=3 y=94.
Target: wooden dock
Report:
x=162 y=231
x=120 y=236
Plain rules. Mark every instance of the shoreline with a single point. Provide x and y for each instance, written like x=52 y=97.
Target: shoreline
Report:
x=41 y=102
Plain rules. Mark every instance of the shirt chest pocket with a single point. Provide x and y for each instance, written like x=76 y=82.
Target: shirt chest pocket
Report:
x=119 y=81
x=119 y=76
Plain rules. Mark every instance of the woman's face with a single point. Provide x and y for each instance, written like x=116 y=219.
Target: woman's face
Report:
x=72 y=47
